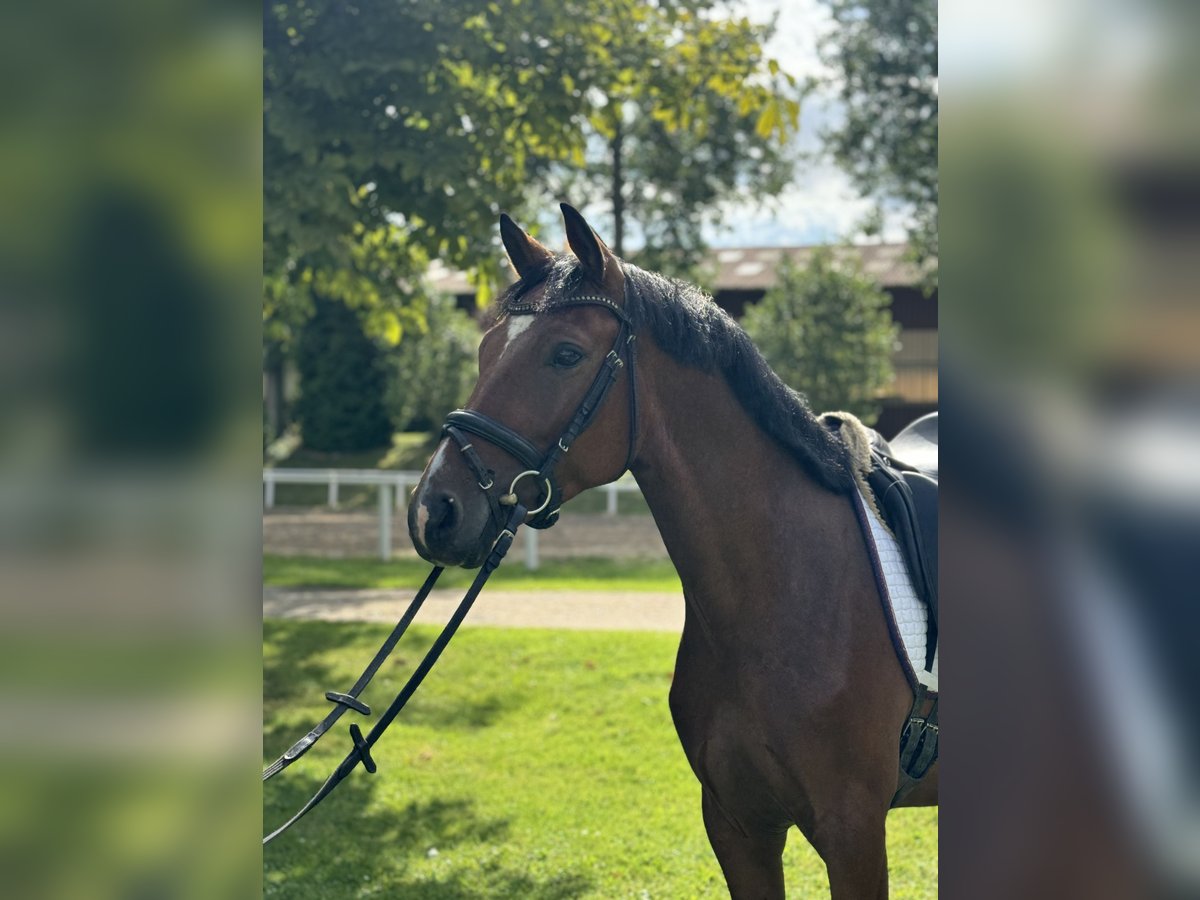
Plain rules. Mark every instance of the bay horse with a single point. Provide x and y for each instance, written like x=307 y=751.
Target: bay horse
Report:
x=788 y=695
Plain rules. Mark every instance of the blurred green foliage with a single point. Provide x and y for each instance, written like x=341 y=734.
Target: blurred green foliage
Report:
x=1040 y=256
x=827 y=331
x=431 y=373
x=342 y=381
x=885 y=62
x=129 y=293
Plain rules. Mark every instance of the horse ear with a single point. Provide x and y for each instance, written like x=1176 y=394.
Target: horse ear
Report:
x=592 y=252
x=524 y=252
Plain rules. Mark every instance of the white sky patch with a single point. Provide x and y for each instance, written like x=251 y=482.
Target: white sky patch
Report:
x=821 y=205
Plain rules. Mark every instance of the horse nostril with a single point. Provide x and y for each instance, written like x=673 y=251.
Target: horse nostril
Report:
x=446 y=513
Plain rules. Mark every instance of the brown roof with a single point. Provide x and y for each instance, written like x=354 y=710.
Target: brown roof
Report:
x=751 y=268
x=449 y=281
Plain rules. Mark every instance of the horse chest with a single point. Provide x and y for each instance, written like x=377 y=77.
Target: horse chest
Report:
x=733 y=708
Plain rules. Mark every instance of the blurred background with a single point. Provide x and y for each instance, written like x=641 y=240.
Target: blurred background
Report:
x=1070 y=357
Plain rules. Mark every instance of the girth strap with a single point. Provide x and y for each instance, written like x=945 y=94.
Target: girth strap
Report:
x=918 y=742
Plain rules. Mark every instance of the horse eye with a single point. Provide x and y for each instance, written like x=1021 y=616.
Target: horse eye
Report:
x=566 y=357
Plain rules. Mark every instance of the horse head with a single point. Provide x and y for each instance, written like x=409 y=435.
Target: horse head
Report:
x=561 y=338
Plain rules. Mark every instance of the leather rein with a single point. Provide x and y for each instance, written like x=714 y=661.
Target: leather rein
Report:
x=506 y=510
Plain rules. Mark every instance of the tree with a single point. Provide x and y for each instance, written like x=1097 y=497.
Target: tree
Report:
x=885 y=55
x=341 y=383
x=430 y=374
x=827 y=331
x=395 y=133
x=685 y=113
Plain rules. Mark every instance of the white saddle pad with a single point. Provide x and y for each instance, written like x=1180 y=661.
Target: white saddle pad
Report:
x=911 y=614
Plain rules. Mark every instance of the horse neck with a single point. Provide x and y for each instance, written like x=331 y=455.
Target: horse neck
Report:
x=745 y=525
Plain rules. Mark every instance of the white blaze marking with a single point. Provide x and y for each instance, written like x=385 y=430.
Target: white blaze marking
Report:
x=422 y=520
x=516 y=328
x=423 y=510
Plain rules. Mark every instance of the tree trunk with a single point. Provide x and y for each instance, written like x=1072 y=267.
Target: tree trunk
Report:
x=273 y=372
x=618 y=200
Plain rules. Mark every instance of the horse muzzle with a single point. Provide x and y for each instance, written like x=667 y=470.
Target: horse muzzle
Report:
x=448 y=528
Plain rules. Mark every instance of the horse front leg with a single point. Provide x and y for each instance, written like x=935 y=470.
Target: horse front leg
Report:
x=854 y=848
x=752 y=863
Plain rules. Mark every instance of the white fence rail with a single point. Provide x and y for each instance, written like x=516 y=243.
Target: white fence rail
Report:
x=394 y=487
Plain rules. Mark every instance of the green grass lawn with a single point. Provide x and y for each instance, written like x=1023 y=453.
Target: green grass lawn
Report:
x=532 y=764
x=554 y=574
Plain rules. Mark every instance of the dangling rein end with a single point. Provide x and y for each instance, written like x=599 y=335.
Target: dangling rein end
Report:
x=362 y=744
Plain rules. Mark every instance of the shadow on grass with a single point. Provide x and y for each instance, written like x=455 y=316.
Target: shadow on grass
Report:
x=458 y=713
x=299 y=674
x=357 y=842
x=298 y=667
x=500 y=884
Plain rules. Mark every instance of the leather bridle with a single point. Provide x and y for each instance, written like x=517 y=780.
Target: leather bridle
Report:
x=536 y=463
x=506 y=510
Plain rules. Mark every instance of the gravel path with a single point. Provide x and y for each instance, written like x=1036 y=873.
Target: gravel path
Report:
x=581 y=610
x=325 y=533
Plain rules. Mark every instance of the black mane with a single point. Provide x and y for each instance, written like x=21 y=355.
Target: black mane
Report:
x=689 y=325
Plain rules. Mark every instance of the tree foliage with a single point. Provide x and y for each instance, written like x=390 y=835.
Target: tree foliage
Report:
x=431 y=373
x=884 y=53
x=685 y=113
x=396 y=132
x=341 y=382
x=827 y=331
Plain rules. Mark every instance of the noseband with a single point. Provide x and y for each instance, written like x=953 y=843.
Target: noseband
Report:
x=537 y=464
